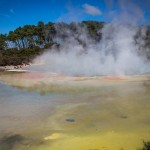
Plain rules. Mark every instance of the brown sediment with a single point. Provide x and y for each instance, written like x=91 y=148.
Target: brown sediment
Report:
x=115 y=78
x=128 y=78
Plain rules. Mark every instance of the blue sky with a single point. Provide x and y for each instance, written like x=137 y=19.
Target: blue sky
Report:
x=15 y=13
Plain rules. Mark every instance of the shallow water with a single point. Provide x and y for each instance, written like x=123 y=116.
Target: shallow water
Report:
x=110 y=116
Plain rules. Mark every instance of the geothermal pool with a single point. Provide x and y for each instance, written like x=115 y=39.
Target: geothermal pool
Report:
x=41 y=111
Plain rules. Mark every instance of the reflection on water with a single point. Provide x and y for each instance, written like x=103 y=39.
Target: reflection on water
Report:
x=110 y=116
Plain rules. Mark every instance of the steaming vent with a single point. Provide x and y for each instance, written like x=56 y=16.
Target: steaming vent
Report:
x=119 y=52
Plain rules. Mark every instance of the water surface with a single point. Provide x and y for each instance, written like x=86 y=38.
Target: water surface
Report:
x=111 y=116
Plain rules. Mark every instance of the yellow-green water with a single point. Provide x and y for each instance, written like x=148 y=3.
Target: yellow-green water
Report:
x=112 y=116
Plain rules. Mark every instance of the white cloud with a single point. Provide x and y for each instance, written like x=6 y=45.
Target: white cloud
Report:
x=4 y=15
x=92 y=10
x=12 y=11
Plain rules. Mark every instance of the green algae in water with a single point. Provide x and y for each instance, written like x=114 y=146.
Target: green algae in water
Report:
x=9 y=142
x=70 y=119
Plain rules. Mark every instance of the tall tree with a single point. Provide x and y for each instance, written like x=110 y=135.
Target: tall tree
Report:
x=3 y=43
x=41 y=33
x=50 y=32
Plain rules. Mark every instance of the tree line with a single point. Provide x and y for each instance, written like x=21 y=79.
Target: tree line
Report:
x=25 y=43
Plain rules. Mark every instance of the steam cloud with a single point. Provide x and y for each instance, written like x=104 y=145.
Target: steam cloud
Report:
x=117 y=53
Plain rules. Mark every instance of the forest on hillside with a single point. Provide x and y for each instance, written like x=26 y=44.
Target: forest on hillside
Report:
x=25 y=43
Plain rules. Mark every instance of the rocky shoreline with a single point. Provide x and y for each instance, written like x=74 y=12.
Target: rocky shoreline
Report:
x=14 y=68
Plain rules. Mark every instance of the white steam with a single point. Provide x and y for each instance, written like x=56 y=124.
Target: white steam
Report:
x=115 y=54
